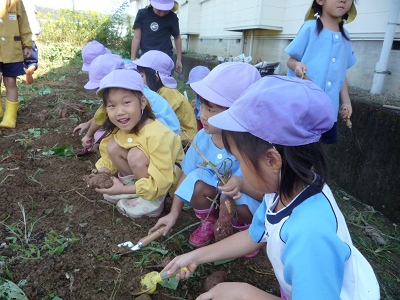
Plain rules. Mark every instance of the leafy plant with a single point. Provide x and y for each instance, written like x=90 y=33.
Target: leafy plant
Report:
x=55 y=243
x=60 y=151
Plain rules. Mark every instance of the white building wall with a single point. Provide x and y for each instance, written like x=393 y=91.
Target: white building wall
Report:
x=366 y=31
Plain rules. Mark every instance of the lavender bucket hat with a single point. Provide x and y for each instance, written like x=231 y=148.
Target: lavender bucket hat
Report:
x=282 y=110
x=161 y=63
x=100 y=67
x=226 y=82
x=90 y=51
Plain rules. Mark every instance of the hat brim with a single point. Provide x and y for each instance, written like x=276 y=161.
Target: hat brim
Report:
x=85 y=67
x=208 y=94
x=92 y=85
x=225 y=121
x=160 y=6
x=168 y=81
x=352 y=14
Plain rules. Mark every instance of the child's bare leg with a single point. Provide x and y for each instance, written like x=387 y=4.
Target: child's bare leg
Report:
x=200 y=193
x=138 y=163
x=11 y=88
x=244 y=214
x=118 y=156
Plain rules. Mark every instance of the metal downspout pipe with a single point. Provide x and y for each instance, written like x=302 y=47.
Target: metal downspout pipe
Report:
x=381 y=66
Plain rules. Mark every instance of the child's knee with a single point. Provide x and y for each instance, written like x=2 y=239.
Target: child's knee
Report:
x=137 y=159
x=112 y=146
x=244 y=214
x=202 y=191
x=10 y=83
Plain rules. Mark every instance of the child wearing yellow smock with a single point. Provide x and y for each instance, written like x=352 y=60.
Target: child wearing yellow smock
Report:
x=145 y=153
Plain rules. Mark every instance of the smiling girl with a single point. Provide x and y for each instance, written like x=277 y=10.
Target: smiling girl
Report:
x=145 y=152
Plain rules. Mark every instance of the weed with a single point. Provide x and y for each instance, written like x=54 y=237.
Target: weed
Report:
x=55 y=243
x=32 y=178
x=68 y=209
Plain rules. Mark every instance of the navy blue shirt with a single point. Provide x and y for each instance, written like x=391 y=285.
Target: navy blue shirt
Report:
x=156 y=30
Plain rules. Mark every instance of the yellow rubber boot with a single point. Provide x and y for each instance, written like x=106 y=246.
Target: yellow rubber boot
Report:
x=10 y=116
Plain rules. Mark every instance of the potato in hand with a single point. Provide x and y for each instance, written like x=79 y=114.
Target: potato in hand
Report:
x=98 y=180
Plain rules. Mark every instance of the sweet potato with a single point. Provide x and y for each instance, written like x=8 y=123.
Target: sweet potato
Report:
x=223 y=226
x=98 y=180
x=214 y=279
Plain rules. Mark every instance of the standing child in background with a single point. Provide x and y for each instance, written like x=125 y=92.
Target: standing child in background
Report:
x=307 y=239
x=15 y=46
x=199 y=181
x=31 y=62
x=145 y=152
x=323 y=50
x=197 y=74
x=155 y=67
x=154 y=26
x=90 y=51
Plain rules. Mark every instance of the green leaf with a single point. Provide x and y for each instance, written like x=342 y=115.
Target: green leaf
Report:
x=162 y=251
x=170 y=283
x=9 y=290
x=46 y=91
x=36 y=132
x=60 y=151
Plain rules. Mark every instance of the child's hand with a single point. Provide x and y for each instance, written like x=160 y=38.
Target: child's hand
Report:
x=81 y=128
x=300 y=69
x=27 y=52
x=116 y=189
x=345 y=111
x=169 y=222
x=186 y=260
x=87 y=141
x=178 y=66
x=233 y=187
x=193 y=103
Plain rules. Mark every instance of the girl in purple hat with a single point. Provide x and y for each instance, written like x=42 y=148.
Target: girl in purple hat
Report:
x=199 y=183
x=322 y=52
x=307 y=240
x=156 y=67
x=145 y=153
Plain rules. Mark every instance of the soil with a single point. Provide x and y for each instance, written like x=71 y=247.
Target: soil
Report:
x=46 y=193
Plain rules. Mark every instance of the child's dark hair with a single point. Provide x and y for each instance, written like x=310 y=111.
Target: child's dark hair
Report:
x=207 y=103
x=299 y=163
x=109 y=127
x=153 y=81
x=318 y=9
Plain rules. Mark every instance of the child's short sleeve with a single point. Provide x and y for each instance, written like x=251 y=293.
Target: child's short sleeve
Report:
x=175 y=26
x=189 y=162
x=298 y=46
x=138 y=19
x=351 y=59
x=257 y=226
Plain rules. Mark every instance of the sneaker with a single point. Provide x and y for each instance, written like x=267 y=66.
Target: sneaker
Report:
x=139 y=207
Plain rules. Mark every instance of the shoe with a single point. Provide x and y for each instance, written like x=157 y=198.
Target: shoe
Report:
x=204 y=234
x=29 y=72
x=139 y=207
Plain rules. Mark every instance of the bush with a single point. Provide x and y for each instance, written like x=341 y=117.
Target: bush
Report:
x=76 y=28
